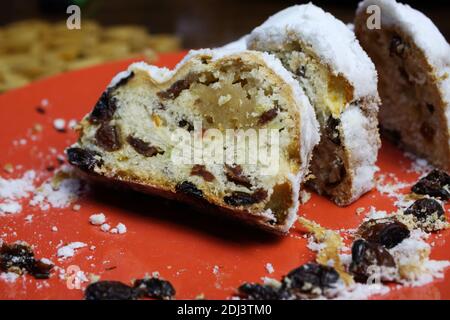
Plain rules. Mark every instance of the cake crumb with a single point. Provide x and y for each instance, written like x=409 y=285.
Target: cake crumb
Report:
x=59 y=124
x=269 y=268
x=121 y=228
x=105 y=227
x=97 y=219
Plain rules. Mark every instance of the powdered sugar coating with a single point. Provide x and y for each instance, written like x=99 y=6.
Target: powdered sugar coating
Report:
x=329 y=38
x=362 y=147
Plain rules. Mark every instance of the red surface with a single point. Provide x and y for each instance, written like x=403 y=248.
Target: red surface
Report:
x=182 y=245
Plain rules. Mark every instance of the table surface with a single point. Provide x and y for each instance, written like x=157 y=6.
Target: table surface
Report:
x=198 y=253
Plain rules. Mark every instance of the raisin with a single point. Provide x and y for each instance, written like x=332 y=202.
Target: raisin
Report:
x=83 y=158
x=255 y=291
x=366 y=254
x=16 y=257
x=104 y=109
x=19 y=258
x=154 y=288
x=238 y=198
x=310 y=278
x=177 y=87
x=397 y=46
x=41 y=110
x=186 y=125
x=234 y=174
x=107 y=137
x=189 y=189
x=200 y=170
x=301 y=71
x=427 y=131
x=41 y=270
x=430 y=108
x=332 y=130
x=387 y=233
x=435 y=184
x=268 y=116
x=143 y=147
x=423 y=208
x=109 y=290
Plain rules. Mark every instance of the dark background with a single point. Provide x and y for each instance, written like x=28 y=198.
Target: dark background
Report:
x=199 y=23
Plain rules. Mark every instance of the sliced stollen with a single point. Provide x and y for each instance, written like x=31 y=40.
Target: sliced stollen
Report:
x=413 y=62
x=341 y=82
x=132 y=137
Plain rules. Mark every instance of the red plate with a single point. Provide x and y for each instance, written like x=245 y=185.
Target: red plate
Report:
x=183 y=246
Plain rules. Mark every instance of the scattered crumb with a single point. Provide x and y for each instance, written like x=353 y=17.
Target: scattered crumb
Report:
x=9 y=168
x=76 y=207
x=97 y=219
x=121 y=228
x=59 y=125
x=105 y=227
x=269 y=268
x=55 y=229
x=69 y=250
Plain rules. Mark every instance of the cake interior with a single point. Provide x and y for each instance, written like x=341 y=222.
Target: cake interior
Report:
x=412 y=113
x=329 y=94
x=135 y=140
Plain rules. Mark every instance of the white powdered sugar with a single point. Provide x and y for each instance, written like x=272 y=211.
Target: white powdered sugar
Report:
x=363 y=147
x=17 y=188
x=10 y=206
x=330 y=39
x=68 y=251
x=10 y=277
x=60 y=194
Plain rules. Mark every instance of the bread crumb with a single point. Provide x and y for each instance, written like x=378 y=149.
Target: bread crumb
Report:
x=97 y=219
x=59 y=124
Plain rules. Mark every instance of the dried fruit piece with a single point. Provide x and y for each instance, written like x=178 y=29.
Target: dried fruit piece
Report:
x=177 y=87
x=200 y=170
x=189 y=189
x=332 y=130
x=238 y=198
x=397 y=46
x=85 y=159
x=108 y=137
x=186 y=125
x=423 y=208
x=109 y=290
x=234 y=174
x=104 y=109
x=385 y=232
x=143 y=147
x=154 y=288
x=19 y=258
x=435 y=184
x=311 y=278
x=256 y=291
x=268 y=116
x=366 y=255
